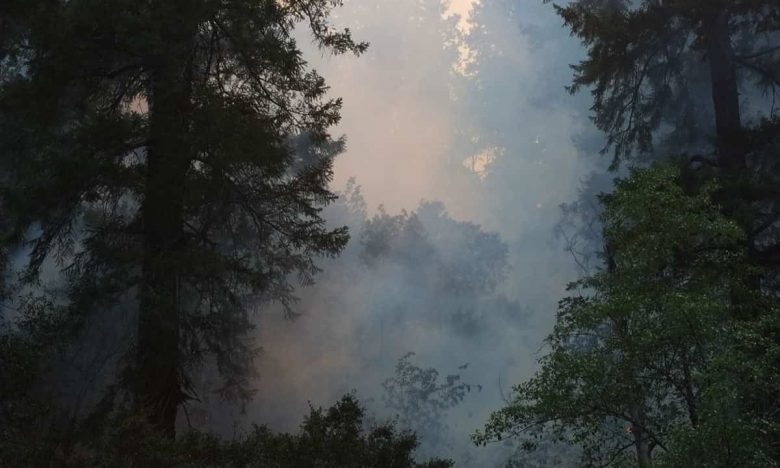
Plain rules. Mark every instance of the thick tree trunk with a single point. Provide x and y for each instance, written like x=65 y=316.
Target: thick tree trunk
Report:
x=160 y=381
x=732 y=144
x=725 y=94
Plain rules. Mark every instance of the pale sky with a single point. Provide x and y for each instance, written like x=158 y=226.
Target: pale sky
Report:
x=398 y=115
x=404 y=113
x=462 y=8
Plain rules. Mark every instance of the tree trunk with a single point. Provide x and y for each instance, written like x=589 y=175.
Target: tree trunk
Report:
x=643 y=450
x=620 y=327
x=725 y=94
x=160 y=382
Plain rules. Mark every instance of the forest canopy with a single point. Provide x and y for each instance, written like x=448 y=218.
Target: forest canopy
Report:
x=169 y=187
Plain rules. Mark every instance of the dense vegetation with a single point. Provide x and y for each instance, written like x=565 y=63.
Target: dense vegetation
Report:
x=668 y=356
x=670 y=353
x=164 y=166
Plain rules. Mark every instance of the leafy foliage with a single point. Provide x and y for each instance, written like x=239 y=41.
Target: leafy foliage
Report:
x=648 y=352
x=455 y=267
x=328 y=438
x=420 y=399
x=468 y=260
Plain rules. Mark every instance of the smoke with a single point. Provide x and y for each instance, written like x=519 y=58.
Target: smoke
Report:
x=462 y=146
x=464 y=104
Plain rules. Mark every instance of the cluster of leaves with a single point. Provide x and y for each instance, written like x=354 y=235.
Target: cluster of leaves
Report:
x=420 y=399
x=454 y=266
x=36 y=431
x=669 y=357
x=30 y=415
x=467 y=260
x=669 y=350
x=328 y=438
x=30 y=436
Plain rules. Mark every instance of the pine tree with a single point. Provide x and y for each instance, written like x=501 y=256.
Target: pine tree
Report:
x=640 y=60
x=147 y=152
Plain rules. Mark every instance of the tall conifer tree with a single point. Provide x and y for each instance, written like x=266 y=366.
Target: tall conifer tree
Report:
x=147 y=151
x=638 y=59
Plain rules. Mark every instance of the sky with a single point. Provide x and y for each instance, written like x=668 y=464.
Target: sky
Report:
x=462 y=8
x=408 y=108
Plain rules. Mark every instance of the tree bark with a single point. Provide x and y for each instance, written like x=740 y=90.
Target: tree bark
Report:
x=160 y=381
x=725 y=94
x=643 y=450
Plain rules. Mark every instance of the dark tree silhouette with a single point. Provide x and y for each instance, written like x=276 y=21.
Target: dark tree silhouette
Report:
x=147 y=152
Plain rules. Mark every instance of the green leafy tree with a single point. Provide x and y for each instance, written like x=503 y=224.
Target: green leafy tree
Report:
x=658 y=349
x=147 y=153
x=646 y=62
